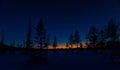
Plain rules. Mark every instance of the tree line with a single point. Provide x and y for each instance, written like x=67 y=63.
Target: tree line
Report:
x=107 y=37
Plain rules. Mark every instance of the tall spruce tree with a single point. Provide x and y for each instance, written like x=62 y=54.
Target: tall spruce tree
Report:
x=28 y=40
x=92 y=36
x=112 y=30
x=40 y=36
x=71 y=40
x=77 y=38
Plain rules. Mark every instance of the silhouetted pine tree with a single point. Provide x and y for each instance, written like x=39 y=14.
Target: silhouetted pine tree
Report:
x=54 y=42
x=28 y=40
x=92 y=37
x=77 y=38
x=71 y=40
x=40 y=37
x=112 y=31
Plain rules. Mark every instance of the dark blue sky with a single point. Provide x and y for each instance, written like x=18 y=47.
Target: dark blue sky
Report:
x=61 y=17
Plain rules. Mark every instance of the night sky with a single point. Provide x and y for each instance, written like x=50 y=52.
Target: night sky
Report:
x=61 y=17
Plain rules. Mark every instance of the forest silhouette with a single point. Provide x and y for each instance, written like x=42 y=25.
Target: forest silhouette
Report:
x=106 y=38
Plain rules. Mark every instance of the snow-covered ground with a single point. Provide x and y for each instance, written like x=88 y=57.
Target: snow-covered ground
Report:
x=85 y=60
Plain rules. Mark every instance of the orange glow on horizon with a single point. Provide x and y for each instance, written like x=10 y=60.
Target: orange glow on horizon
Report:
x=63 y=46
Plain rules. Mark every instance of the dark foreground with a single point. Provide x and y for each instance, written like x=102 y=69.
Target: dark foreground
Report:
x=60 y=59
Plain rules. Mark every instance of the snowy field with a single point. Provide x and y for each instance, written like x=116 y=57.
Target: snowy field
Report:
x=85 y=60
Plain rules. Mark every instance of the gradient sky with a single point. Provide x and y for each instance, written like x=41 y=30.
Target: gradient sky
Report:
x=61 y=17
